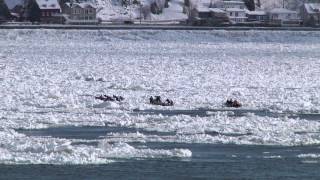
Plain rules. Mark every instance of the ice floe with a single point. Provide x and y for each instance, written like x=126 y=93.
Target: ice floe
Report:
x=53 y=84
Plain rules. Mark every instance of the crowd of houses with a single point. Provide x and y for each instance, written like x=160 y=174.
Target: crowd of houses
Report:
x=61 y=12
x=235 y=12
x=203 y=12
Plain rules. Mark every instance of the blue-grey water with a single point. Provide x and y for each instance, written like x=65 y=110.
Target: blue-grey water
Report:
x=208 y=161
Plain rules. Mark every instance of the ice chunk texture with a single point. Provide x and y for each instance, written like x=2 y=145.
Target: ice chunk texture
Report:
x=53 y=83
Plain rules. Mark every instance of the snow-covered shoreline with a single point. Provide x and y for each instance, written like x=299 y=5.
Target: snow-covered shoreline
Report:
x=151 y=26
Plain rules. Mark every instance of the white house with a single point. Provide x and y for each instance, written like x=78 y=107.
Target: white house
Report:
x=310 y=14
x=236 y=10
x=236 y=15
x=81 y=13
x=257 y=16
x=284 y=17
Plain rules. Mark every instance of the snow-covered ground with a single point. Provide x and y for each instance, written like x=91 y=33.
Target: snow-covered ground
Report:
x=111 y=10
x=49 y=79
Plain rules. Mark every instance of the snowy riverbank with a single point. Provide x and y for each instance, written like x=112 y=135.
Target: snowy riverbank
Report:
x=152 y=27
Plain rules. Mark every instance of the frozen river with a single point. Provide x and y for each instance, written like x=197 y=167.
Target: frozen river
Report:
x=48 y=114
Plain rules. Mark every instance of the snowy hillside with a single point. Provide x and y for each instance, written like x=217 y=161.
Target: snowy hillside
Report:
x=112 y=10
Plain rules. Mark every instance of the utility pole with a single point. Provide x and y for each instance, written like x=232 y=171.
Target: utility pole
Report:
x=140 y=13
x=130 y=9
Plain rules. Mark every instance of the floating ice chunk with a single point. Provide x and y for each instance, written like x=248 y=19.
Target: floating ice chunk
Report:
x=108 y=104
x=65 y=147
x=272 y=157
x=312 y=156
x=124 y=150
x=103 y=144
x=182 y=153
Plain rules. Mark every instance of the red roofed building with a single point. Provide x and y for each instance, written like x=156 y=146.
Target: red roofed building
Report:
x=50 y=11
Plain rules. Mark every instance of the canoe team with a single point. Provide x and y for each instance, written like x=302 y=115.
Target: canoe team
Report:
x=157 y=101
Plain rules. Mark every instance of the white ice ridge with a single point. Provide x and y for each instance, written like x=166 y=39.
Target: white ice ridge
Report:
x=220 y=128
x=19 y=149
x=310 y=156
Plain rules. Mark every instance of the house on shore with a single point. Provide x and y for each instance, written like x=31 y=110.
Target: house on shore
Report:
x=80 y=13
x=236 y=15
x=258 y=16
x=50 y=11
x=310 y=14
x=202 y=15
x=283 y=17
x=236 y=10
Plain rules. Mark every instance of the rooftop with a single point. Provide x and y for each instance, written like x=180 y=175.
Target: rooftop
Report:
x=234 y=10
x=312 y=8
x=84 y=5
x=259 y=13
x=217 y=10
x=48 y=4
x=203 y=9
x=233 y=2
x=282 y=11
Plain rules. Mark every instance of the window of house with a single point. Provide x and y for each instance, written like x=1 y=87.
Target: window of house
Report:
x=275 y=16
x=237 y=14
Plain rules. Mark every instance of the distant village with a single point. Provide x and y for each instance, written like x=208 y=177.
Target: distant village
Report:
x=237 y=12
x=52 y=12
x=199 y=13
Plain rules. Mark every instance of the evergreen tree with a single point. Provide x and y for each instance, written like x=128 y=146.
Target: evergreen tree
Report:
x=250 y=4
x=32 y=11
x=4 y=10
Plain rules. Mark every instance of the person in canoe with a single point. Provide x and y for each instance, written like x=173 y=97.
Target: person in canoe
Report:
x=157 y=101
x=233 y=103
x=109 y=98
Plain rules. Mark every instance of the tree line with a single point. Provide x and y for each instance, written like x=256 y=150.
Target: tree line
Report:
x=29 y=11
